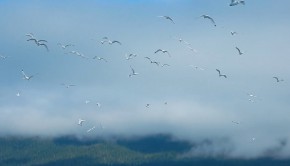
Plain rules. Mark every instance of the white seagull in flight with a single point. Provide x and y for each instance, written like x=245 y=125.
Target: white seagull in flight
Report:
x=208 y=17
x=64 y=46
x=81 y=122
x=168 y=18
x=26 y=77
x=163 y=51
x=236 y=2
x=100 y=58
x=89 y=130
x=133 y=72
x=67 y=85
x=130 y=56
x=234 y=33
x=277 y=79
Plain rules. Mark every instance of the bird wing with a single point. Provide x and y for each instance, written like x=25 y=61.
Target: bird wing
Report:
x=115 y=41
x=218 y=71
x=41 y=41
x=238 y=50
x=169 y=18
x=157 y=50
x=277 y=79
x=211 y=19
x=33 y=40
x=23 y=73
x=42 y=44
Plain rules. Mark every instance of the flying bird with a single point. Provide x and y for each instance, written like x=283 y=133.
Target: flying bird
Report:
x=31 y=35
x=277 y=79
x=236 y=2
x=235 y=122
x=100 y=58
x=165 y=64
x=147 y=105
x=64 y=46
x=157 y=63
x=114 y=41
x=3 y=57
x=26 y=77
x=240 y=52
x=81 y=122
x=163 y=51
x=98 y=104
x=67 y=85
x=39 y=42
x=168 y=18
x=18 y=94
x=221 y=75
x=133 y=72
x=208 y=17
x=234 y=33
x=89 y=130
x=130 y=56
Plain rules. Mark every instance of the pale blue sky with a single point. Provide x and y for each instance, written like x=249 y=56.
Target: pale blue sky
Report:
x=199 y=102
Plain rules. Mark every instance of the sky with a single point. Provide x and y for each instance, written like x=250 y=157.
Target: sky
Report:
x=191 y=104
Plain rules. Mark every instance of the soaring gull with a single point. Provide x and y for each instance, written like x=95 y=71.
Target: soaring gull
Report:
x=208 y=17
x=221 y=75
x=168 y=18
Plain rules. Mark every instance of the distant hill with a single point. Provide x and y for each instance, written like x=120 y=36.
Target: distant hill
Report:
x=145 y=151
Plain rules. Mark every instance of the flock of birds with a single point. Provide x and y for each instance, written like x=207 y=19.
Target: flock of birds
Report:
x=105 y=40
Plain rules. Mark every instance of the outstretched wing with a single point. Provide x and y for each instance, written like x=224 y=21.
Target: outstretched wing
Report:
x=157 y=51
x=115 y=41
x=218 y=71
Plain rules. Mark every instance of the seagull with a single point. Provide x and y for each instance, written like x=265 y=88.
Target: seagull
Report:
x=221 y=75
x=89 y=130
x=240 y=52
x=30 y=35
x=208 y=17
x=64 y=46
x=81 y=122
x=39 y=42
x=192 y=49
x=165 y=64
x=163 y=51
x=251 y=95
x=277 y=79
x=26 y=77
x=114 y=41
x=78 y=54
x=43 y=44
x=157 y=63
x=168 y=18
x=18 y=94
x=130 y=56
x=235 y=122
x=3 y=57
x=147 y=105
x=98 y=104
x=100 y=58
x=236 y=2
x=165 y=103
x=133 y=72
x=67 y=85
x=251 y=100
x=233 y=33
x=87 y=101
